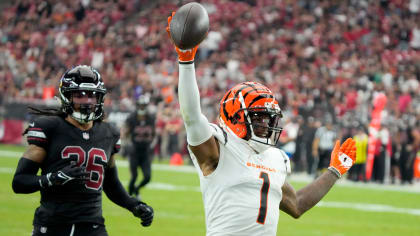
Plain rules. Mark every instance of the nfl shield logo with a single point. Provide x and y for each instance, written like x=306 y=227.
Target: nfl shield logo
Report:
x=43 y=229
x=86 y=136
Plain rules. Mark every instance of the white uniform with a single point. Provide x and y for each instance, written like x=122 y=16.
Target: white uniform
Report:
x=242 y=196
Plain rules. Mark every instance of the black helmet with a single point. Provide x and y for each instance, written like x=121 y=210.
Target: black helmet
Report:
x=82 y=93
x=141 y=104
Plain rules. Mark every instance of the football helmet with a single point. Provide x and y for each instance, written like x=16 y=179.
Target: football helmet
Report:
x=250 y=111
x=141 y=105
x=82 y=93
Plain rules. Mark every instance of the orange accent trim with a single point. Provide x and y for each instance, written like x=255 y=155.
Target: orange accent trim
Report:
x=262 y=167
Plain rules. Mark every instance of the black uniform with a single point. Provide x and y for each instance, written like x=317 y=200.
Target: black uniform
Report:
x=142 y=133
x=73 y=202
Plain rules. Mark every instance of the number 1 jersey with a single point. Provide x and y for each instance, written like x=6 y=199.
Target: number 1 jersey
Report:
x=242 y=196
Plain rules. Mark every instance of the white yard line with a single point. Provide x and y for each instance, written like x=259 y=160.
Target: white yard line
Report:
x=7 y=170
x=354 y=206
x=10 y=154
x=348 y=205
x=370 y=207
x=171 y=187
x=415 y=188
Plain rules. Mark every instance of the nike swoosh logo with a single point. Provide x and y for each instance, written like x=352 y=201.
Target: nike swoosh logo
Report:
x=32 y=124
x=62 y=176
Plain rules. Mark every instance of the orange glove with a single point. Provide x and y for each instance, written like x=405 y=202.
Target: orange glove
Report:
x=185 y=56
x=343 y=157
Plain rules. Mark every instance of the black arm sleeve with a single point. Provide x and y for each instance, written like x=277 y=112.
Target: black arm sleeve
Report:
x=25 y=179
x=115 y=191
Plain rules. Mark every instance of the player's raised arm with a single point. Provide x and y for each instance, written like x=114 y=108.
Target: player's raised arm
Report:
x=199 y=135
x=296 y=203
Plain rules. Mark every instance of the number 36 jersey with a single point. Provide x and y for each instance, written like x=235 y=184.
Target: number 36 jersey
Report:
x=72 y=202
x=242 y=196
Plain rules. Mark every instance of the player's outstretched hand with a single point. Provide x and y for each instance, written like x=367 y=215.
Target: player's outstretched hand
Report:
x=343 y=157
x=144 y=212
x=183 y=55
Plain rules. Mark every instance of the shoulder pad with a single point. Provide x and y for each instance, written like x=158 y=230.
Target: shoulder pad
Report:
x=219 y=133
x=39 y=130
x=286 y=160
x=114 y=132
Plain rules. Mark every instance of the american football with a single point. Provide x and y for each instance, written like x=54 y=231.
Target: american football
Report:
x=189 y=25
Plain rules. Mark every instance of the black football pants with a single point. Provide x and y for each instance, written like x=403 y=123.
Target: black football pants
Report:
x=139 y=158
x=77 y=229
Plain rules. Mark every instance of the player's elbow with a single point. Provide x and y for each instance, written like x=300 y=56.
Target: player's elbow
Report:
x=292 y=211
x=19 y=185
x=194 y=120
x=190 y=118
x=16 y=185
x=296 y=215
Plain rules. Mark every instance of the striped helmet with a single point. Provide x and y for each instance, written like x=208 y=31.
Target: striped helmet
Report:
x=242 y=109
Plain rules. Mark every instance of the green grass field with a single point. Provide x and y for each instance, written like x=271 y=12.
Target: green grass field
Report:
x=347 y=210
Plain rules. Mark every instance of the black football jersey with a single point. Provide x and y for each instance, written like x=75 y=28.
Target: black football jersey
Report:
x=73 y=202
x=142 y=131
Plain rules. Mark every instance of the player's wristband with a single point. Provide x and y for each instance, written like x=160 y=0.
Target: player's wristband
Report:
x=335 y=171
x=45 y=180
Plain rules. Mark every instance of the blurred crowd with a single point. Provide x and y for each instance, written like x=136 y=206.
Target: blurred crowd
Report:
x=325 y=60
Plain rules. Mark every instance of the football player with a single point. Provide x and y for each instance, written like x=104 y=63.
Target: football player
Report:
x=140 y=127
x=242 y=175
x=75 y=150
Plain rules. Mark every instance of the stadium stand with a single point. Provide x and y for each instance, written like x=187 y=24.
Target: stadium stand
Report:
x=322 y=58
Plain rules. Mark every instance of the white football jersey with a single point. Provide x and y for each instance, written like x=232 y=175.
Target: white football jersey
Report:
x=242 y=196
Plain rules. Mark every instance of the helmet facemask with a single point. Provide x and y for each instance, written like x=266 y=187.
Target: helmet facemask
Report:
x=85 y=105
x=82 y=94
x=141 y=105
x=262 y=122
x=263 y=126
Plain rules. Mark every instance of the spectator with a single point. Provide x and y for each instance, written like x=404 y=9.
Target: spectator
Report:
x=316 y=56
x=358 y=170
x=323 y=145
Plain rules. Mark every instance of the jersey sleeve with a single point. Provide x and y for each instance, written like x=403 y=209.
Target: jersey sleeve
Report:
x=286 y=161
x=38 y=132
x=116 y=140
x=117 y=147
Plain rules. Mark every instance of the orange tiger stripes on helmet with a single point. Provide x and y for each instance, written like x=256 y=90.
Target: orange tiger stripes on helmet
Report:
x=243 y=98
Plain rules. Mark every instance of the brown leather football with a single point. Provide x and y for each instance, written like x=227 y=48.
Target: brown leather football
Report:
x=189 y=25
